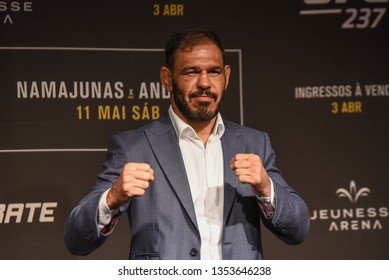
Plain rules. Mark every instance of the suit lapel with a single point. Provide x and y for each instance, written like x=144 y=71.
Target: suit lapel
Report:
x=163 y=142
x=232 y=144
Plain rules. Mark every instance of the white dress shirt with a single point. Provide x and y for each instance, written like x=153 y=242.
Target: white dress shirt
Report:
x=204 y=168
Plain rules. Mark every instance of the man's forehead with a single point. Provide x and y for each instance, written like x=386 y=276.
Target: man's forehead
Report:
x=209 y=50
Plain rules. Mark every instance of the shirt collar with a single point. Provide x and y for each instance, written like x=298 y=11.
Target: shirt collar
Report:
x=184 y=130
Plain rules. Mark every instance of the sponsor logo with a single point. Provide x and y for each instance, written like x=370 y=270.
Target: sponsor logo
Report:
x=363 y=14
x=35 y=212
x=352 y=193
x=352 y=218
x=8 y=10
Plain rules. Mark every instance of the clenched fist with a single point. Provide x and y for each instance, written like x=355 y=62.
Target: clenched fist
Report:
x=133 y=181
x=249 y=169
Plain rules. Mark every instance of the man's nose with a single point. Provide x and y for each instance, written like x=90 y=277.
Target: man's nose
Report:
x=203 y=81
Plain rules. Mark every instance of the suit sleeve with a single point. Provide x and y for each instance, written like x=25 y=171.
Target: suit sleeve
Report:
x=291 y=218
x=82 y=234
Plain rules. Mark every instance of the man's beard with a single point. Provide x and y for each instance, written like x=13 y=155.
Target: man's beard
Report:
x=201 y=113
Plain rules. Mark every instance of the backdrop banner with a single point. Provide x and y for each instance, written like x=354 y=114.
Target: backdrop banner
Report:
x=313 y=74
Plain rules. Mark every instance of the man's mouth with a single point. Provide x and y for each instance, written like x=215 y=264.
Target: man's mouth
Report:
x=203 y=96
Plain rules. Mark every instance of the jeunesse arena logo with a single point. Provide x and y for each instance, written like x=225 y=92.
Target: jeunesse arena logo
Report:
x=352 y=218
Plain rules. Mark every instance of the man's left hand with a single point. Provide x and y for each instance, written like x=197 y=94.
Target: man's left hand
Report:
x=249 y=169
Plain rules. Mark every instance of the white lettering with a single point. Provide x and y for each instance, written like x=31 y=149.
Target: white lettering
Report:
x=32 y=207
x=15 y=6
x=355 y=225
x=27 y=212
x=47 y=213
x=14 y=210
x=73 y=90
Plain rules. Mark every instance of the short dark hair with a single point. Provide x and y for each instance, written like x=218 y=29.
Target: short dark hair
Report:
x=189 y=38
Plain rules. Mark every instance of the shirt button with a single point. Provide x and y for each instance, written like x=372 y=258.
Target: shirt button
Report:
x=193 y=252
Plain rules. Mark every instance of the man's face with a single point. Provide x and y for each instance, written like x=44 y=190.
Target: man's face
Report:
x=199 y=80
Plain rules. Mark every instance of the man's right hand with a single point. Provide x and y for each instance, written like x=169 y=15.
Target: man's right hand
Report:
x=133 y=181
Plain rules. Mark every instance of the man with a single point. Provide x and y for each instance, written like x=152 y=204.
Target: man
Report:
x=194 y=185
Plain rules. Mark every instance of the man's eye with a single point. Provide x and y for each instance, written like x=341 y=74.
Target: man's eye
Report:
x=214 y=73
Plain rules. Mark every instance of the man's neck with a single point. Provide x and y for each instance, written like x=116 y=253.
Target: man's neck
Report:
x=203 y=129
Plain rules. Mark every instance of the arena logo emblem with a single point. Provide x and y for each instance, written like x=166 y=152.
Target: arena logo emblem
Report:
x=10 y=8
x=353 y=194
x=362 y=14
x=352 y=218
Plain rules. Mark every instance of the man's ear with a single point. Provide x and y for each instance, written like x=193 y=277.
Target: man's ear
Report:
x=227 y=73
x=166 y=78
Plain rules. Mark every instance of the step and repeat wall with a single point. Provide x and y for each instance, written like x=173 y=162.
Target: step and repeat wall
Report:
x=314 y=74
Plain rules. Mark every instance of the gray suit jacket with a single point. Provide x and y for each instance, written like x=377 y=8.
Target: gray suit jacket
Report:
x=163 y=221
